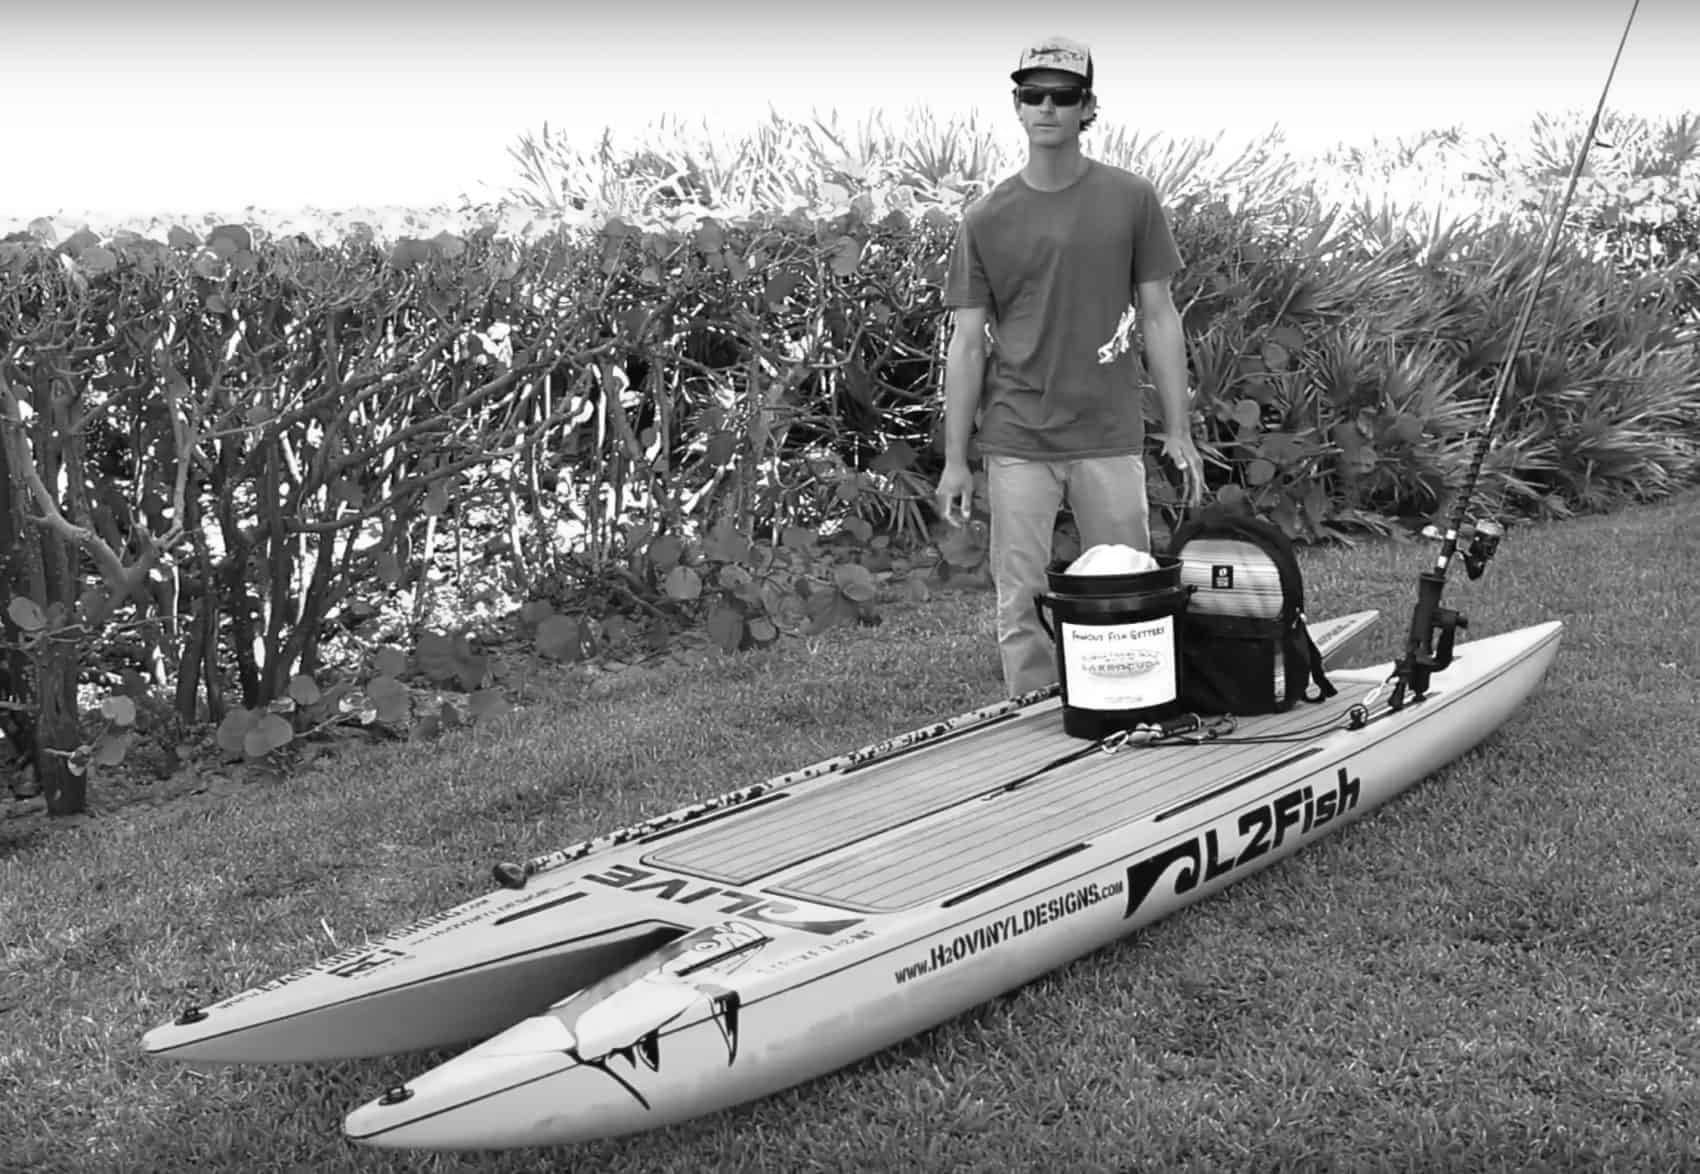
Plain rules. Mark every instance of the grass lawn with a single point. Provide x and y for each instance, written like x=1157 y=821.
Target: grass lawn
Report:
x=1497 y=971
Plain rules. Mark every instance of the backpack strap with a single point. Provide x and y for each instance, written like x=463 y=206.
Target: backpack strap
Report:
x=1325 y=687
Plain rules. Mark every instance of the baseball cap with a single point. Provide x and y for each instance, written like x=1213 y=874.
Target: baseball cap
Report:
x=1056 y=53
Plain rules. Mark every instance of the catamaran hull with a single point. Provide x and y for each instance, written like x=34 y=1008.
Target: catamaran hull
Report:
x=807 y=1006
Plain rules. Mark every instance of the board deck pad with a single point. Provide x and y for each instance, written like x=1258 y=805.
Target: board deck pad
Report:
x=915 y=858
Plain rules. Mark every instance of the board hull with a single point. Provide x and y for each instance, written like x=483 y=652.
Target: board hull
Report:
x=652 y=1048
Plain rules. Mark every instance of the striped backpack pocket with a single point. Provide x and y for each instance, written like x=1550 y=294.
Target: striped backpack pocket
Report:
x=1244 y=646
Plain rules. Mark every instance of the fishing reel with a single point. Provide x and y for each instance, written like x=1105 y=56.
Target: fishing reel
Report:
x=1481 y=542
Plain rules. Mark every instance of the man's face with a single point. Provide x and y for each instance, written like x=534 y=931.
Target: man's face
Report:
x=1047 y=122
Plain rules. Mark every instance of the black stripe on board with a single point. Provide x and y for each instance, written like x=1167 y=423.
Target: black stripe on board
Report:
x=1196 y=800
x=1017 y=874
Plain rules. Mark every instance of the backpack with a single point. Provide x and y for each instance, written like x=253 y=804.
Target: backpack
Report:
x=1244 y=646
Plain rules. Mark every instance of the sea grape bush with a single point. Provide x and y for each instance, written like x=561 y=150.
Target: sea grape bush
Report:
x=684 y=392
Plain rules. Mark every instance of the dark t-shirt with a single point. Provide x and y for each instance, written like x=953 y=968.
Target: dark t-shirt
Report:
x=1055 y=272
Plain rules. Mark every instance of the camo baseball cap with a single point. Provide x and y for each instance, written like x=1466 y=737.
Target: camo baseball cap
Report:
x=1056 y=53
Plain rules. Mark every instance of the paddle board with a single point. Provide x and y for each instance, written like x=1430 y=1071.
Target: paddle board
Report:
x=739 y=946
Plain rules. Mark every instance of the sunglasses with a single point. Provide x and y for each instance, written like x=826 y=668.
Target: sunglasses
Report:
x=1060 y=95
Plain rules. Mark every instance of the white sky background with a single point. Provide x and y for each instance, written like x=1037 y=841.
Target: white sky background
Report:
x=190 y=106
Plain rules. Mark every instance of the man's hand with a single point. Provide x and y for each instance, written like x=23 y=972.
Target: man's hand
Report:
x=1183 y=453
x=955 y=496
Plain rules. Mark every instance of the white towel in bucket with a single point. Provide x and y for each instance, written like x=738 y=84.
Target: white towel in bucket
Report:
x=1112 y=558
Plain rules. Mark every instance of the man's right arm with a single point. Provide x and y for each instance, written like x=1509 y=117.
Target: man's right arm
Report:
x=964 y=379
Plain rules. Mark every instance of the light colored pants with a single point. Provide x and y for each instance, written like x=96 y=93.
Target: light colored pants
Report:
x=1107 y=497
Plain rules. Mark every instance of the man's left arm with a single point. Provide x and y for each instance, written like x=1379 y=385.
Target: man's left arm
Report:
x=1165 y=361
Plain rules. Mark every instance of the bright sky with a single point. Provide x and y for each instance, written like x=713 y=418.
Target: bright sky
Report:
x=190 y=106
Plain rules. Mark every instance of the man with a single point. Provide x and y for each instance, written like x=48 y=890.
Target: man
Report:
x=1045 y=267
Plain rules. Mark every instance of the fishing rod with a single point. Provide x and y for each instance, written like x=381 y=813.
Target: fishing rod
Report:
x=1434 y=629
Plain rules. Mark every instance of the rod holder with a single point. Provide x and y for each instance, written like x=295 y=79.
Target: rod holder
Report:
x=1430 y=642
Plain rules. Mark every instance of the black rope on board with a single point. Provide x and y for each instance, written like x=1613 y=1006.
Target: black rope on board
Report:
x=1434 y=629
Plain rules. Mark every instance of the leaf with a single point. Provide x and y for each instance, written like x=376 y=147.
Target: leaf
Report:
x=727 y=544
x=449 y=245
x=97 y=260
x=26 y=614
x=726 y=628
x=709 y=238
x=1276 y=356
x=347 y=490
x=897 y=457
x=799 y=538
x=1260 y=472
x=488 y=704
x=665 y=552
x=390 y=662
x=437 y=500
x=762 y=631
x=474 y=666
x=964 y=547
x=437 y=657
x=780 y=287
x=559 y=638
x=389 y=697
x=233 y=730
x=229 y=239
x=683 y=583
x=1280 y=447
x=722 y=447
x=846 y=255
x=120 y=711
x=304 y=689
x=1264 y=391
x=110 y=749
x=272 y=733
x=388 y=568
x=1247 y=414
x=855 y=582
x=657 y=634
x=838 y=611
x=915 y=589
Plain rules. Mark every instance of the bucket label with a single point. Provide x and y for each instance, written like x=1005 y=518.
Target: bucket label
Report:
x=1120 y=666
